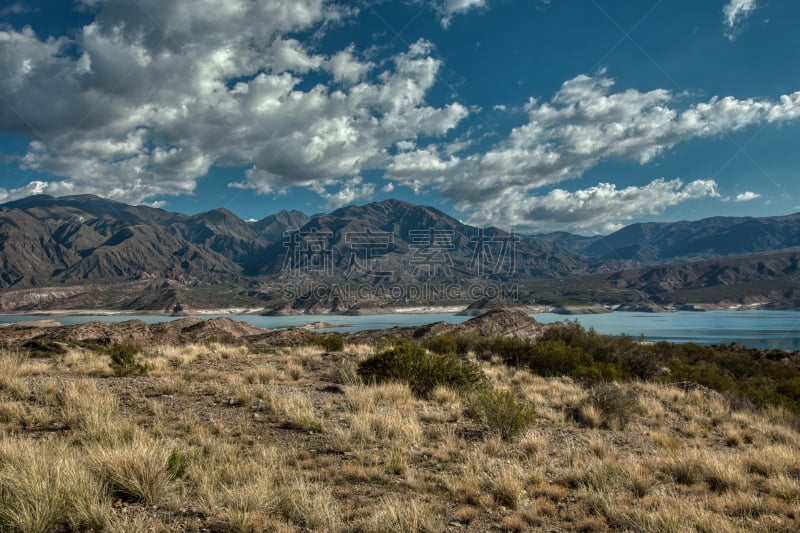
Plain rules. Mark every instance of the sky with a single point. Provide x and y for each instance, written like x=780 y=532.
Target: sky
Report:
x=532 y=115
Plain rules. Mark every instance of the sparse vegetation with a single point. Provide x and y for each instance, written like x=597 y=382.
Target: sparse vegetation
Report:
x=609 y=406
x=331 y=342
x=217 y=437
x=746 y=375
x=123 y=361
x=501 y=411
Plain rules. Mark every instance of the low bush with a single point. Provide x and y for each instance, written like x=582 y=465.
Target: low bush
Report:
x=608 y=406
x=177 y=463
x=123 y=361
x=501 y=411
x=423 y=371
x=330 y=343
x=43 y=348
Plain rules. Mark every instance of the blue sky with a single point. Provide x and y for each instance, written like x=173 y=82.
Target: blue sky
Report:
x=538 y=115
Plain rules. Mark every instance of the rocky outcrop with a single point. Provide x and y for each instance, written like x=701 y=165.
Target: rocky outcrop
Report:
x=136 y=332
x=495 y=323
x=501 y=323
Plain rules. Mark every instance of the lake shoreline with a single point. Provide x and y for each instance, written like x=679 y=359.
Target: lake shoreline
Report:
x=767 y=329
x=571 y=310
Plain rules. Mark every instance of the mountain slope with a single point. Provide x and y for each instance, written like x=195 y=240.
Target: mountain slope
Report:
x=77 y=239
x=650 y=243
x=273 y=227
x=149 y=252
x=28 y=252
x=160 y=257
x=398 y=241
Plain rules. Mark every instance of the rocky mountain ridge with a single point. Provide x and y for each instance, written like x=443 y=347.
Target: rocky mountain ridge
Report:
x=89 y=252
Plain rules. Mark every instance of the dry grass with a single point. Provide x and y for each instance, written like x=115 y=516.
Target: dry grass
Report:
x=45 y=487
x=177 y=356
x=135 y=470
x=12 y=383
x=93 y=413
x=87 y=363
x=403 y=515
x=361 y=350
x=380 y=414
x=219 y=438
x=294 y=410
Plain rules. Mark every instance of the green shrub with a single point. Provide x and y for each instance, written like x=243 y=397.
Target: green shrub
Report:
x=330 y=343
x=423 y=371
x=746 y=375
x=501 y=411
x=123 y=361
x=555 y=358
x=43 y=348
x=177 y=463
x=443 y=344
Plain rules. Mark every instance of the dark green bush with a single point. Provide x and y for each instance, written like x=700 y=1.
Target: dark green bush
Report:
x=423 y=371
x=555 y=358
x=123 y=361
x=177 y=463
x=443 y=344
x=330 y=343
x=501 y=411
x=43 y=348
x=747 y=375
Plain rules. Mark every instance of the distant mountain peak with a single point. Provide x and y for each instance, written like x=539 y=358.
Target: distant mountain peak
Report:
x=92 y=238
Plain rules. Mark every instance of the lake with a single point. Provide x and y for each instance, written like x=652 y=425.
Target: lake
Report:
x=757 y=329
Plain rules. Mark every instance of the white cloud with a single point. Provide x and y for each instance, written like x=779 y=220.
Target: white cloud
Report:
x=53 y=188
x=448 y=8
x=145 y=99
x=349 y=192
x=582 y=125
x=746 y=196
x=734 y=13
x=152 y=94
x=346 y=68
x=599 y=209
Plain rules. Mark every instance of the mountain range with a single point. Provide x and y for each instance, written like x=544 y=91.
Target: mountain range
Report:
x=85 y=241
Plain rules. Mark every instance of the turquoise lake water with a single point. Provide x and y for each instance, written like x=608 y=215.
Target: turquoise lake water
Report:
x=758 y=329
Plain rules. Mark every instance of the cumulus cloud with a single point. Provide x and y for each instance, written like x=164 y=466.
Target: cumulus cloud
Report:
x=347 y=193
x=345 y=66
x=54 y=188
x=734 y=13
x=448 y=8
x=150 y=95
x=599 y=209
x=145 y=99
x=582 y=125
x=746 y=196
